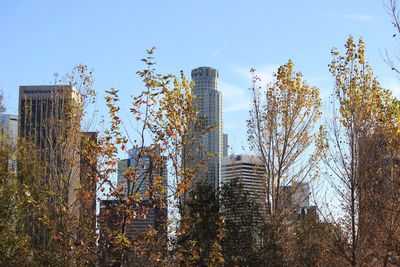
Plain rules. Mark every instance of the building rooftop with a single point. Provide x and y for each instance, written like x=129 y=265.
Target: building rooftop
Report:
x=241 y=158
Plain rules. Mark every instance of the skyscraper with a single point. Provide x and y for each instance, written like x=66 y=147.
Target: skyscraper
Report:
x=250 y=172
x=146 y=183
x=49 y=119
x=209 y=101
x=294 y=200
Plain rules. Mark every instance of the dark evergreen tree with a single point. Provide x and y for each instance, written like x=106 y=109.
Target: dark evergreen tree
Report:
x=243 y=223
x=202 y=228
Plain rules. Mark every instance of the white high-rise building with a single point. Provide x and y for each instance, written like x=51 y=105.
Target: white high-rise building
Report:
x=9 y=126
x=249 y=170
x=209 y=100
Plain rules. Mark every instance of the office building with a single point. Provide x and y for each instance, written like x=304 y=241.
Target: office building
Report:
x=48 y=113
x=210 y=146
x=250 y=172
x=295 y=200
x=142 y=179
x=9 y=127
x=150 y=184
x=50 y=120
x=49 y=124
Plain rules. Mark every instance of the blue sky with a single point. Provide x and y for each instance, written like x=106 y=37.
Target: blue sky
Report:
x=41 y=37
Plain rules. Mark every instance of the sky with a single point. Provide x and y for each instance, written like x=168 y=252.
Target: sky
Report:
x=40 y=38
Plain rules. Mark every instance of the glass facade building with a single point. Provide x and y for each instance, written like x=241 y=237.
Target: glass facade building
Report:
x=148 y=174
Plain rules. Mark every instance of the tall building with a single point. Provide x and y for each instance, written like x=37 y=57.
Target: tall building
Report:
x=249 y=171
x=295 y=200
x=144 y=179
x=209 y=100
x=150 y=183
x=49 y=122
x=9 y=126
x=50 y=119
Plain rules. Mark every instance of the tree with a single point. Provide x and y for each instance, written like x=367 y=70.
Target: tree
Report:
x=242 y=240
x=280 y=130
x=15 y=249
x=44 y=210
x=199 y=243
x=311 y=243
x=2 y=108
x=393 y=10
x=361 y=155
x=51 y=229
x=165 y=114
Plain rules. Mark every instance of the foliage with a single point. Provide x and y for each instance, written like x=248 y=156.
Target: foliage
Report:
x=203 y=229
x=243 y=223
x=2 y=108
x=165 y=116
x=312 y=243
x=280 y=131
x=15 y=247
x=46 y=196
x=362 y=152
x=41 y=226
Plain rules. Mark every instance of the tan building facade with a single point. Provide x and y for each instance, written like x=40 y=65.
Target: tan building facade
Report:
x=49 y=118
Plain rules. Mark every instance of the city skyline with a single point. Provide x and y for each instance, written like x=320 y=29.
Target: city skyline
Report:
x=248 y=36
x=212 y=133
